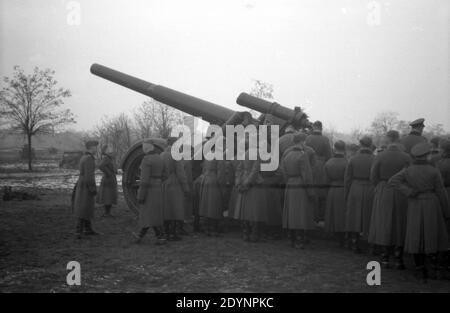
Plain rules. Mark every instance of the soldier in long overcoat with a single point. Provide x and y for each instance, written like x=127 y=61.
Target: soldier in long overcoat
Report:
x=149 y=195
x=388 y=221
x=298 y=210
x=251 y=206
x=174 y=187
x=358 y=192
x=107 y=193
x=322 y=148
x=444 y=167
x=415 y=136
x=428 y=207
x=85 y=191
x=334 y=177
x=211 y=202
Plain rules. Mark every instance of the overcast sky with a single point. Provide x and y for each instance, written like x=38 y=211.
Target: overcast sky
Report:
x=344 y=60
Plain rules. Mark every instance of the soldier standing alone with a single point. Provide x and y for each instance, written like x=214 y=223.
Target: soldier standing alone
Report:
x=107 y=194
x=85 y=191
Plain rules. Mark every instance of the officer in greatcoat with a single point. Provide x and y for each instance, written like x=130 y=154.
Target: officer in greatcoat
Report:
x=322 y=148
x=334 y=177
x=444 y=167
x=358 y=192
x=251 y=208
x=428 y=207
x=298 y=210
x=174 y=188
x=388 y=221
x=415 y=136
x=85 y=191
x=107 y=193
x=149 y=195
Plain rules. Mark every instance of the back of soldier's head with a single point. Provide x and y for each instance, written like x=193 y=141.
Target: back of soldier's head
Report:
x=339 y=146
x=366 y=142
x=392 y=136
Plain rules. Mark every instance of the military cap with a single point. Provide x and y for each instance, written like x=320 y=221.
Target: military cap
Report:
x=435 y=141
x=421 y=149
x=148 y=146
x=418 y=122
x=339 y=145
x=317 y=124
x=393 y=135
x=104 y=148
x=366 y=142
x=299 y=137
x=444 y=144
x=91 y=143
x=353 y=147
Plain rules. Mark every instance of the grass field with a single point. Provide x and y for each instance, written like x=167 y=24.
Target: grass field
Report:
x=37 y=242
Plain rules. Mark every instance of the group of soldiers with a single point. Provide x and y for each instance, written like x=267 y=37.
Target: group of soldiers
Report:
x=394 y=197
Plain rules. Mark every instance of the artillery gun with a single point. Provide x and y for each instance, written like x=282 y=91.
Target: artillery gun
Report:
x=208 y=111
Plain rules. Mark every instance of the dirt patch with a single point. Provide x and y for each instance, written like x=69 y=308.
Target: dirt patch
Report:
x=37 y=242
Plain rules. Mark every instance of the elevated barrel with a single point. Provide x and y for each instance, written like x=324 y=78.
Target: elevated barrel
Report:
x=208 y=111
x=296 y=117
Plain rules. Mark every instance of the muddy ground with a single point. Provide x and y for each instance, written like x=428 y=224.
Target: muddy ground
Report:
x=37 y=242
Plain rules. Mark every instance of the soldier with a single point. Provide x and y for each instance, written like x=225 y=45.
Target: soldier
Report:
x=334 y=177
x=107 y=194
x=435 y=154
x=149 y=194
x=211 y=203
x=252 y=201
x=428 y=205
x=388 y=221
x=174 y=188
x=85 y=191
x=287 y=139
x=359 y=193
x=352 y=150
x=444 y=167
x=415 y=136
x=322 y=147
x=298 y=210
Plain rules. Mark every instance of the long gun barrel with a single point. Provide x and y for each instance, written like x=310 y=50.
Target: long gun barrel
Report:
x=296 y=116
x=208 y=111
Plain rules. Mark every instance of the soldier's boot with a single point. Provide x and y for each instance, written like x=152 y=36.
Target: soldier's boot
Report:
x=385 y=257
x=159 y=234
x=341 y=239
x=79 y=228
x=421 y=272
x=216 y=227
x=175 y=234
x=88 y=230
x=107 y=211
x=299 y=239
x=398 y=255
x=355 y=243
x=246 y=230
x=167 y=233
x=255 y=232
x=139 y=236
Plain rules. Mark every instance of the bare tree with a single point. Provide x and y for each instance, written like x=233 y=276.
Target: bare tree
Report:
x=261 y=90
x=144 y=120
x=161 y=118
x=117 y=132
x=31 y=104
